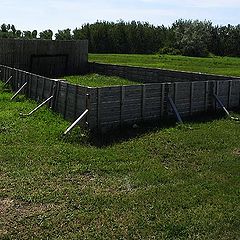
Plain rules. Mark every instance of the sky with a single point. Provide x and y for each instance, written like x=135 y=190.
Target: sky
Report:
x=62 y=14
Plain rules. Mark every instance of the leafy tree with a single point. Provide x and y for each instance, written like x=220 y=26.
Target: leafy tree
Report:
x=192 y=37
x=27 y=34
x=188 y=37
x=34 y=34
x=18 y=34
x=46 y=34
x=13 y=29
x=4 y=28
x=63 y=34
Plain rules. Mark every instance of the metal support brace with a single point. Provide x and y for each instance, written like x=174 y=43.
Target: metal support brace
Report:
x=221 y=104
x=175 y=110
x=8 y=81
x=224 y=108
x=85 y=113
x=38 y=107
x=76 y=122
x=20 y=89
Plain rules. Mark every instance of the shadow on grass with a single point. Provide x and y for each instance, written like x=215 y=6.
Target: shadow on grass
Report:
x=118 y=135
x=125 y=133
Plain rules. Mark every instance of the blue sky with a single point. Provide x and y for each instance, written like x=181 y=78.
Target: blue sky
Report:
x=61 y=14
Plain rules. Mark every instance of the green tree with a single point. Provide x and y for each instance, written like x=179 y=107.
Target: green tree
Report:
x=46 y=34
x=63 y=34
x=192 y=37
x=27 y=34
x=34 y=34
x=4 y=28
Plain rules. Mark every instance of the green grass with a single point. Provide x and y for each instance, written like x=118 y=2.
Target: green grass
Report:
x=215 y=65
x=96 y=80
x=180 y=182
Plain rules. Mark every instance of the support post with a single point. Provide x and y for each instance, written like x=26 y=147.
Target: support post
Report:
x=84 y=114
x=175 y=110
x=221 y=104
x=38 y=107
x=8 y=81
x=224 y=108
x=76 y=122
x=20 y=89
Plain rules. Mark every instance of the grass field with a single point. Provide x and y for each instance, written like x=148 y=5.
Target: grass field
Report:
x=177 y=182
x=96 y=80
x=215 y=65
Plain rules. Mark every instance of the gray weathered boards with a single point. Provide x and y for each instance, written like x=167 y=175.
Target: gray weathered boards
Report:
x=111 y=107
x=45 y=57
x=152 y=75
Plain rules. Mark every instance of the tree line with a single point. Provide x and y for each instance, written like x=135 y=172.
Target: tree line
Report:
x=186 y=37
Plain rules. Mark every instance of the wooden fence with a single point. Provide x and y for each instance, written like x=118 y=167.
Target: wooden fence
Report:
x=152 y=75
x=45 y=57
x=111 y=107
x=69 y=100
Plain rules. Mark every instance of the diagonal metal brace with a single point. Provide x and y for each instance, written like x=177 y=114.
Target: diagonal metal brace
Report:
x=38 y=107
x=76 y=122
x=173 y=106
x=20 y=89
x=221 y=104
x=224 y=108
x=8 y=81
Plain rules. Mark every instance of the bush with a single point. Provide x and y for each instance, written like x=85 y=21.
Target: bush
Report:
x=169 y=51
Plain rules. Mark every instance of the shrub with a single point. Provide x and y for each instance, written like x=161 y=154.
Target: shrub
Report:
x=169 y=51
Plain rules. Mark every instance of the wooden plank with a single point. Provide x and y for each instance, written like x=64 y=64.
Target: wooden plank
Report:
x=122 y=104
x=175 y=91
x=229 y=94
x=143 y=101
x=98 y=108
x=75 y=102
x=43 y=87
x=36 y=89
x=216 y=91
x=206 y=96
x=65 y=102
x=162 y=99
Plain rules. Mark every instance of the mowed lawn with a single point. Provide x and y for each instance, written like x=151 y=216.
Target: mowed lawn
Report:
x=215 y=65
x=97 y=80
x=179 y=182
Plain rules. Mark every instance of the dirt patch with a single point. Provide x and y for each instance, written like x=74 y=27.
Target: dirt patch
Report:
x=12 y=211
x=236 y=152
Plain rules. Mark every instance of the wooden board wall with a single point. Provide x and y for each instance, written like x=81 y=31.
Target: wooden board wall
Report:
x=112 y=107
x=45 y=57
x=152 y=75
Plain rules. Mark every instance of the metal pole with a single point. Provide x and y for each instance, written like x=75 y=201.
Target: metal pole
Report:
x=76 y=122
x=8 y=81
x=224 y=108
x=221 y=104
x=20 y=89
x=39 y=106
x=175 y=110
